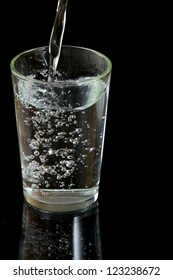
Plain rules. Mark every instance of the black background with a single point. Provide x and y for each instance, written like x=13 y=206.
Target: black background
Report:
x=134 y=207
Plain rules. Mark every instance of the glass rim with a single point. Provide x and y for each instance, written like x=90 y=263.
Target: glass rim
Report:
x=61 y=82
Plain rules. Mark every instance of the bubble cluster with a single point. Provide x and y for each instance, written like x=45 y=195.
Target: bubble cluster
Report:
x=60 y=149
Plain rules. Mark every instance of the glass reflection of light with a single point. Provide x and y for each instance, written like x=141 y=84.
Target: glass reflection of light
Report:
x=47 y=235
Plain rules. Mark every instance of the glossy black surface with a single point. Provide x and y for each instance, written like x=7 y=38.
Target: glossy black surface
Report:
x=133 y=219
x=28 y=233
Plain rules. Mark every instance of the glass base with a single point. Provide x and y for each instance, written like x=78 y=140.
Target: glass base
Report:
x=61 y=200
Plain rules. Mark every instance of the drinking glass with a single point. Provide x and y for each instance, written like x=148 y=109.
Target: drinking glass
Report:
x=61 y=125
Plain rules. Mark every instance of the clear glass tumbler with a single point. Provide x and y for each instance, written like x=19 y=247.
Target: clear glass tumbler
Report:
x=61 y=125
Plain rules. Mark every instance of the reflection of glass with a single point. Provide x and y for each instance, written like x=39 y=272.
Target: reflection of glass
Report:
x=47 y=235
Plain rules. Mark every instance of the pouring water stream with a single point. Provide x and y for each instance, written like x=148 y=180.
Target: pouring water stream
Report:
x=56 y=37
